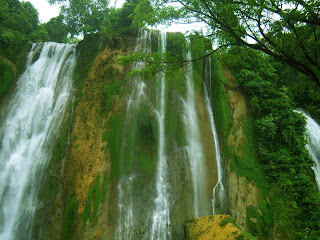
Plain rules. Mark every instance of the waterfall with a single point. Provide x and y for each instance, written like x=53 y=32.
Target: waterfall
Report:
x=161 y=215
x=313 y=144
x=219 y=192
x=126 y=215
x=30 y=123
x=194 y=148
x=125 y=207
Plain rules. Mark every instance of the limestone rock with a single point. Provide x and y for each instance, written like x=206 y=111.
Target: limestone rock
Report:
x=218 y=227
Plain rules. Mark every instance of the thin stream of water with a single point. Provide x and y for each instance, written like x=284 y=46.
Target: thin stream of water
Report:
x=161 y=215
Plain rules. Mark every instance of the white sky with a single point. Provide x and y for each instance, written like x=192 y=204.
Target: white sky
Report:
x=47 y=11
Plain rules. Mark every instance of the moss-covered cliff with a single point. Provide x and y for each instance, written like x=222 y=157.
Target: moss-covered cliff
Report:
x=104 y=142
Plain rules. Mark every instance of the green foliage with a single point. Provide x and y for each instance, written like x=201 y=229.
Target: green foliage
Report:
x=153 y=64
x=290 y=35
x=198 y=48
x=226 y=221
x=82 y=16
x=92 y=204
x=104 y=187
x=305 y=92
x=174 y=124
x=87 y=210
x=18 y=24
x=119 y=22
x=113 y=136
x=145 y=147
x=246 y=162
x=57 y=29
x=243 y=235
x=279 y=138
x=220 y=103
x=7 y=77
x=111 y=90
x=88 y=50
x=151 y=13
x=40 y=34
x=267 y=216
x=51 y=188
x=176 y=47
x=139 y=150
x=60 y=145
x=255 y=229
x=70 y=214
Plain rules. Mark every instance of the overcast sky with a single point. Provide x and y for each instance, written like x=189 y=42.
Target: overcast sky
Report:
x=47 y=11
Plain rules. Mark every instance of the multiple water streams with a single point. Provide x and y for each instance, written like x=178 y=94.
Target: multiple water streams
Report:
x=161 y=214
x=26 y=132
x=144 y=212
x=194 y=147
x=126 y=212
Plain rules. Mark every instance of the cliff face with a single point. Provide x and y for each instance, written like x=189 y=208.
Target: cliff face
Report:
x=84 y=179
x=242 y=193
x=80 y=182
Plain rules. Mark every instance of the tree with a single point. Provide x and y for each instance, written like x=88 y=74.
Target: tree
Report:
x=82 y=16
x=56 y=29
x=288 y=30
x=18 y=24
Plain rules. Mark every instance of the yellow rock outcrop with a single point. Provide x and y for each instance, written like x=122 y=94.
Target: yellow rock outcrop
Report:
x=217 y=227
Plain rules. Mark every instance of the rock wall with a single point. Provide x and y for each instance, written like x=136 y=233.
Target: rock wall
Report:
x=241 y=192
x=80 y=177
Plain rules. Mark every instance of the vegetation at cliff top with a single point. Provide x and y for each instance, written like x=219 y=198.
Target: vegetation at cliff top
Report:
x=287 y=30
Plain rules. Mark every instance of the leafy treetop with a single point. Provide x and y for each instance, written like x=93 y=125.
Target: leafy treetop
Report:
x=287 y=30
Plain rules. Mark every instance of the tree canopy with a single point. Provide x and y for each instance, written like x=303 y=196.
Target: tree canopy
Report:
x=82 y=16
x=287 y=30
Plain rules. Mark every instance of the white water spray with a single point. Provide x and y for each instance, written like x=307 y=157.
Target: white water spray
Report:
x=313 y=144
x=161 y=215
x=125 y=207
x=126 y=213
x=194 y=148
x=30 y=124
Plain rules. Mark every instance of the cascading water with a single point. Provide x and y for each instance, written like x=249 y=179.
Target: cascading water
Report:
x=161 y=215
x=31 y=121
x=125 y=208
x=126 y=214
x=194 y=148
x=219 y=192
x=313 y=144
